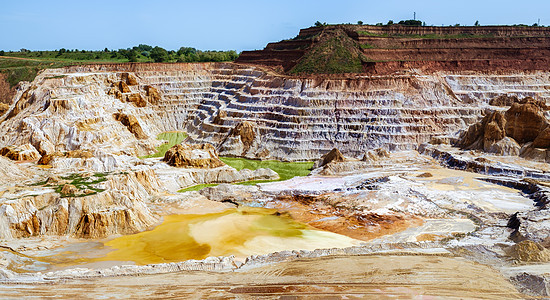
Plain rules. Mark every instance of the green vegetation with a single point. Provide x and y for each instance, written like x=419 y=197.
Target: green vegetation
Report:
x=367 y=46
x=23 y=65
x=411 y=23
x=83 y=183
x=319 y=24
x=425 y=36
x=18 y=70
x=338 y=53
x=79 y=181
x=172 y=138
x=159 y=54
x=141 y=53
x=197 y=187
x=286 y=170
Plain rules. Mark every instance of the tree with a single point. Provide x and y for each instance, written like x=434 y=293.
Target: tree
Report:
x=2 y=53
x=318 y=24
x=159 y=54
x=410 y=22
x=129 y=54
x=60 y=52
x=359 y=22
x=186 y=51
x=476 y=23
x=390 y=22
x=132 y=56
x=143 y=47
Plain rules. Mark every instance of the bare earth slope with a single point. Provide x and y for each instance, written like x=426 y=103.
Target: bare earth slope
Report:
x=392 y=48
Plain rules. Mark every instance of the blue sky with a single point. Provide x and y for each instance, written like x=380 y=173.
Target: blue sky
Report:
x=225 y=25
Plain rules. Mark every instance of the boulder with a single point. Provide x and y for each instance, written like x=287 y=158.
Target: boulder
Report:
x=115 y=92
x=529 y=251
x=375 y=155
x=485 y=133
x=525 y=120
x=153 y=94
x=69 y=189
x=193 y=156
x=506 y=146
x=122 y=87
x=48 y=158
x=131 y=123
x=522 y=130
x=4 y=108
x=543 y=139
x=425 y=175
x=503 y=100
x=129 y=78
x=136 y=99
x=536 y=154
x=245 y=130
x=333 y=156
x=24 y=152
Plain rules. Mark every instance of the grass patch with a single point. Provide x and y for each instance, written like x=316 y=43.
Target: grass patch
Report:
x=83 y=183
x=172 y=138
x=367 y=46
x=79 y=181
x=18 y=70
x=286 y=170
x=367 y=33
x=197 y=187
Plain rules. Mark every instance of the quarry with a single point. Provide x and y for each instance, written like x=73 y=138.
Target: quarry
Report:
x=352 y=160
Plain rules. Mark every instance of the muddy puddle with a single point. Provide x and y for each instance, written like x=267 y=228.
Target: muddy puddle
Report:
x=240 y=232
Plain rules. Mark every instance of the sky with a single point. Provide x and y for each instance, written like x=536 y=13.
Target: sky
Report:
x=227 y=25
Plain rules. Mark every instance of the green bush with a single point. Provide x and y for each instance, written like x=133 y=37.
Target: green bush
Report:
x=410 y=22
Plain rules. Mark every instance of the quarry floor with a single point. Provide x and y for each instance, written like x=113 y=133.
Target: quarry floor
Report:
x=406 y=276
x=440 y=270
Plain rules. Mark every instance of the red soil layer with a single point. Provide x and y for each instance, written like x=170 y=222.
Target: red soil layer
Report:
x=390 y=49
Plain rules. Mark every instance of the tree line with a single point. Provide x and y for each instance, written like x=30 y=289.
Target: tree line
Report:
x=421 y=23
x=140 y=53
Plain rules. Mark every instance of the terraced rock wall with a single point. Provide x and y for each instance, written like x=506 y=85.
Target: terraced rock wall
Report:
x=244 y=111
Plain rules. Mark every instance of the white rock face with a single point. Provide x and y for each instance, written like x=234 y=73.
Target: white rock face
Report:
x=290 y=119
